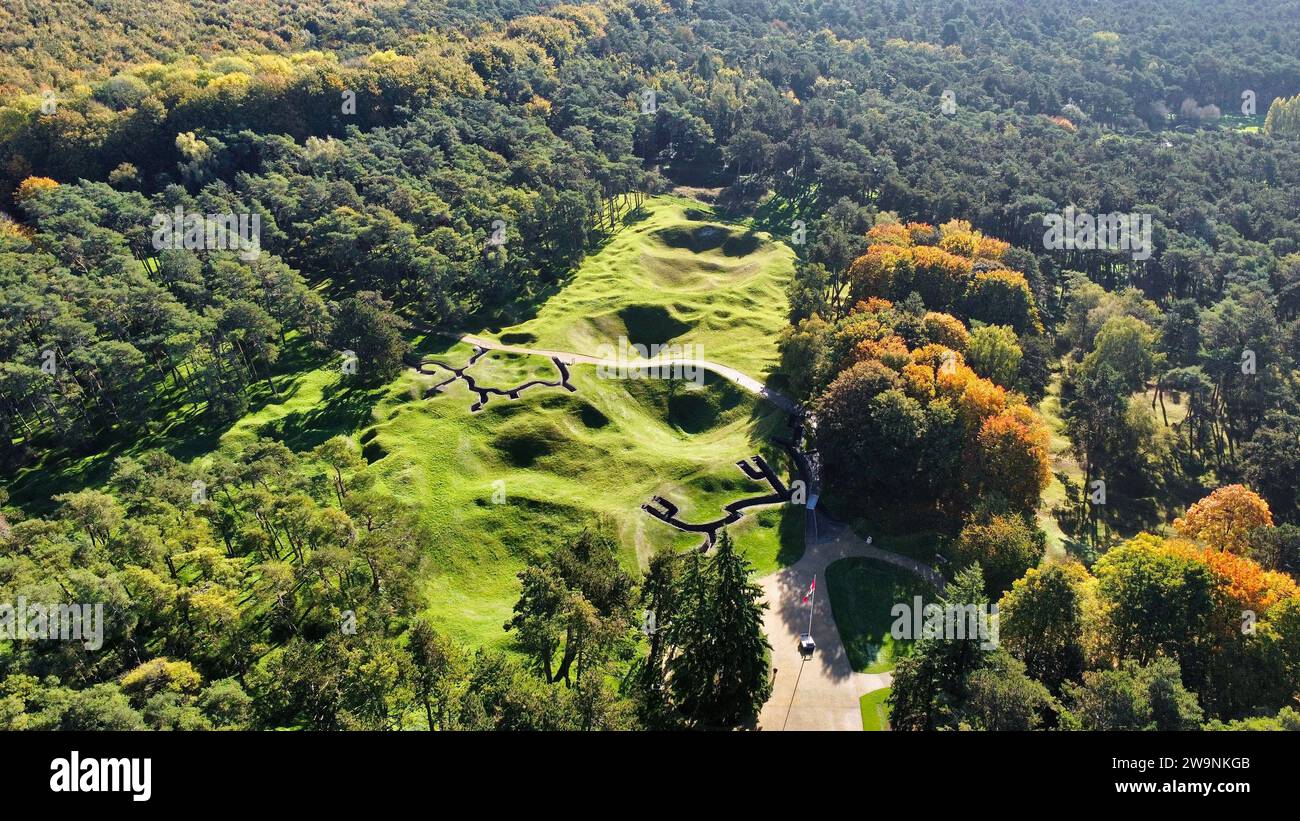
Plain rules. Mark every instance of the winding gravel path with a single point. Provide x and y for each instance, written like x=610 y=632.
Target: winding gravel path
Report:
x=745 y=381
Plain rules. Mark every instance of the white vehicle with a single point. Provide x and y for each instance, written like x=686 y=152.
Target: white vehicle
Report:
x=806 y=644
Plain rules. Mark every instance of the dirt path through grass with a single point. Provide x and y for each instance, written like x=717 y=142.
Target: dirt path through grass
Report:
x=744 y=381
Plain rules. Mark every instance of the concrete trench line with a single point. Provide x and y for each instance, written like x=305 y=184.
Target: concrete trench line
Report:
x=485 y=394
x=745 y=381
x=666 y=512
x=662 y=509
x=757 y=469
x=565 y=358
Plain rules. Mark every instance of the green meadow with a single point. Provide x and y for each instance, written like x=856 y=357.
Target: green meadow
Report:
x=508 y=483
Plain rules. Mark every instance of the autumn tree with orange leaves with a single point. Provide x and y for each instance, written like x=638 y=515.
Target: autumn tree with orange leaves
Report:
x=914 y=423
x=1225 y=518
x=1010 y=459
x=953 y=268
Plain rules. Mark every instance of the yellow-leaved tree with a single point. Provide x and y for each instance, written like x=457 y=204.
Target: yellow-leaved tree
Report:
x=1225 y=518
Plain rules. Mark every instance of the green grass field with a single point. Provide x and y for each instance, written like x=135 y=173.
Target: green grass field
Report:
x=500 y=369
x=863 y=592
x=875 y=713
x=562 y=458
x=674 y=273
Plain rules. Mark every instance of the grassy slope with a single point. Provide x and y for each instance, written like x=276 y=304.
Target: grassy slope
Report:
x=1063 y=464
x=674 y=273
x=875 y=713
x=863 y=591
x=561 y=458
x=608 y=448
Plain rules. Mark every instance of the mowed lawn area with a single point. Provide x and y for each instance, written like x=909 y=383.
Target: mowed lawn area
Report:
x=497 y=488
x=560 y=459
x=875 y=713
x=863 y=593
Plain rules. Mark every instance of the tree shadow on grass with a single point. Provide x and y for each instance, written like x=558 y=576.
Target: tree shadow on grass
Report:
x=862 y=594
x=777 y=214
x=525 y=303
x=343 y=410
x=67 y=470
x=184 y=431
x=638 y=214
x=432 y=343
x=768 y=423
x=791 y=534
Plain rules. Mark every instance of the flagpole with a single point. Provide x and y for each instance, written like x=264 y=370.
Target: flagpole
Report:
x=812 y=602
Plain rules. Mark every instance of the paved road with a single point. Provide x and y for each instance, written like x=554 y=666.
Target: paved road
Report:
x=823 y=692
x=745 y=381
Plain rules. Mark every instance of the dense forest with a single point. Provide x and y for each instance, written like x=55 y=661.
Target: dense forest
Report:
x=438 y=167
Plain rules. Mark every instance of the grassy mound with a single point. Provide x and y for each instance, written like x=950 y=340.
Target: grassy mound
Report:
x=499 y=486
x=676 y=273
x=690 y=408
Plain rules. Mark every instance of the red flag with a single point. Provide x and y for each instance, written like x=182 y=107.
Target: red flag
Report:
x=811 y=588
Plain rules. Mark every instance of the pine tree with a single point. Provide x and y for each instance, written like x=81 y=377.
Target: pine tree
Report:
x=931 y=686
x=648 y=678
x=719 y=677
x=690 y=637
x=744 y=682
